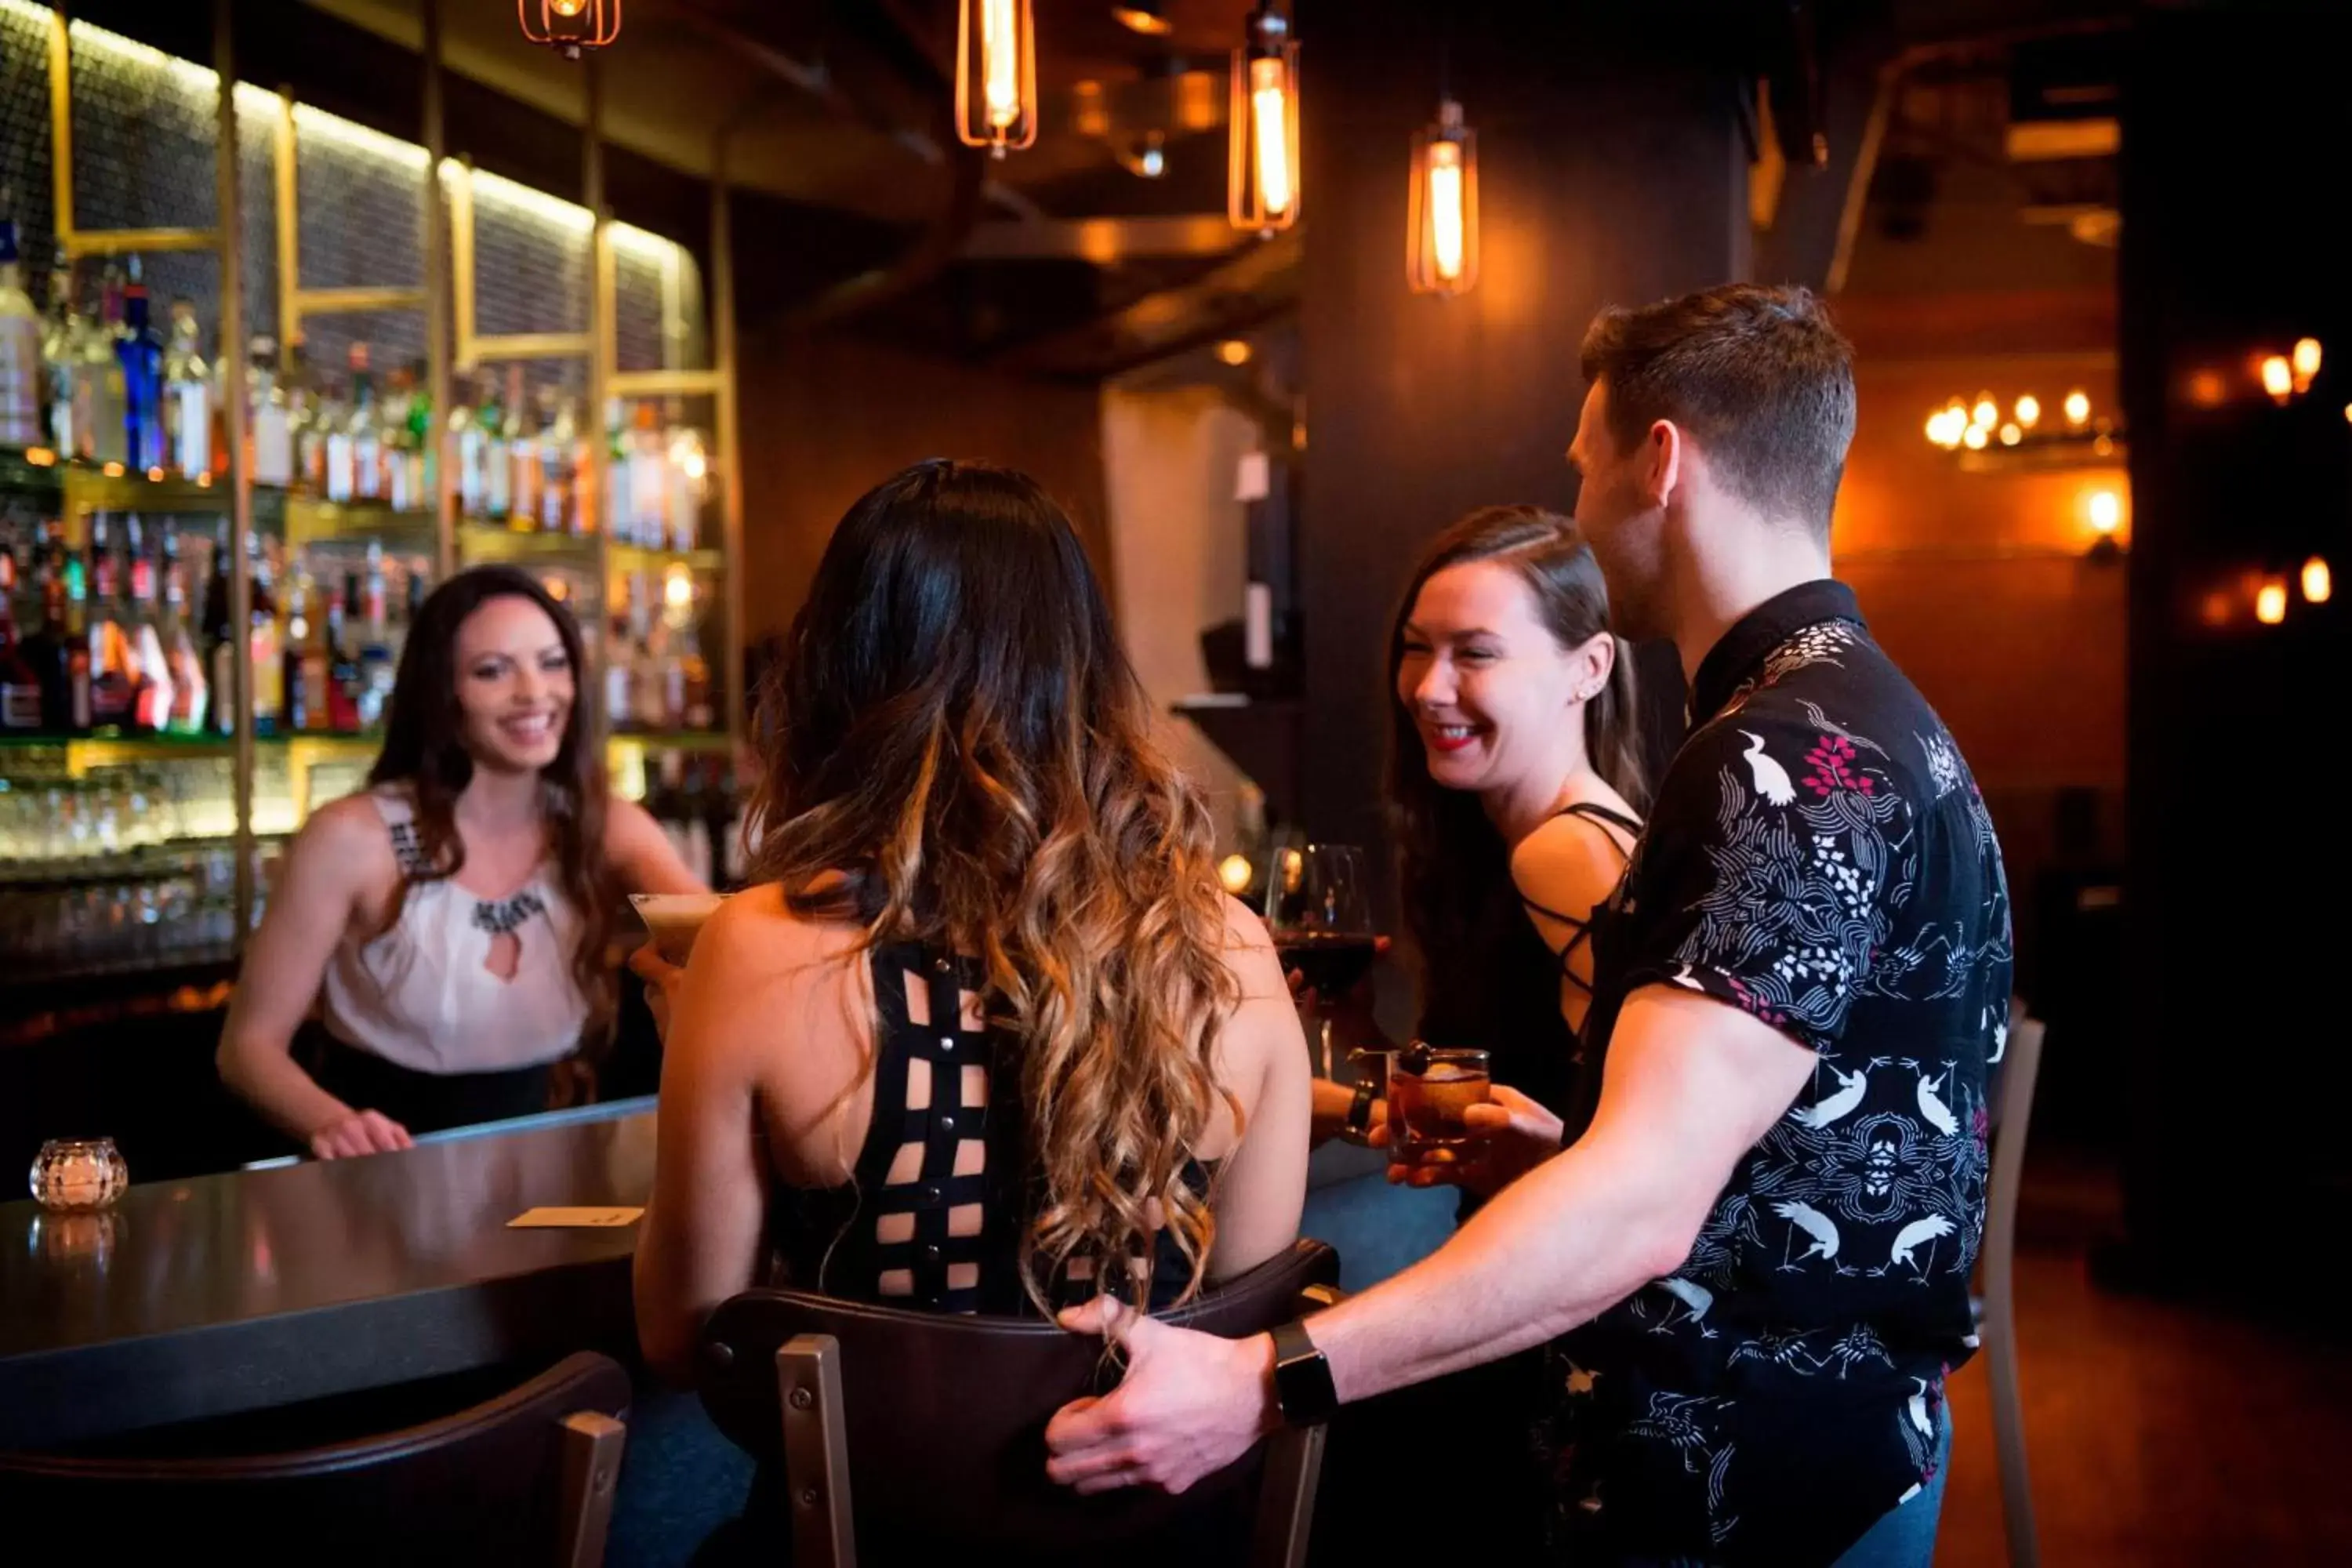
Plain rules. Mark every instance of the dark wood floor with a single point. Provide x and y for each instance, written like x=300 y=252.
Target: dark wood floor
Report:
x=2159 y=1434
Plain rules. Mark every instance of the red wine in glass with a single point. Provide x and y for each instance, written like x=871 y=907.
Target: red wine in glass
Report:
x=1331 y=963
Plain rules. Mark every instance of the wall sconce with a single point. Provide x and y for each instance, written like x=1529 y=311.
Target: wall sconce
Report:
x=2278 y=378
x=2107 y=512
x=2318 y=584
x=2270 y=602
x=996 y=75
x=1262 y=194
x=1149 y=18
x=570 y=25
x=2305 y=363
x=1442 y=215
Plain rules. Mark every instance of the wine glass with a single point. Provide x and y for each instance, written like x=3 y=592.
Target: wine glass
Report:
x=1318 y=907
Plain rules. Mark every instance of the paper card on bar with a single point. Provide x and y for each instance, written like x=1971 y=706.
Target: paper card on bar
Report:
x=594 y=1218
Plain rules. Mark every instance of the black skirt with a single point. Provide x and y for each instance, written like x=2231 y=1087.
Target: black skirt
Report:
x=427 y=1101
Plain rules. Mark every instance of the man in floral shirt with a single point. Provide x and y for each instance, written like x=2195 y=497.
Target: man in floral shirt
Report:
x=1751 y=1258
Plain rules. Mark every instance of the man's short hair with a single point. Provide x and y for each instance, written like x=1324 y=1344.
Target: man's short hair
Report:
x=1760 y=377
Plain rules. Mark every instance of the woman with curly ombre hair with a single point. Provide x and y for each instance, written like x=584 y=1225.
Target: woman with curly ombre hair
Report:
x=987 y=1035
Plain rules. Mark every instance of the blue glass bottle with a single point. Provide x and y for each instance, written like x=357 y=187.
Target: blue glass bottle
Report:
x=139 y=350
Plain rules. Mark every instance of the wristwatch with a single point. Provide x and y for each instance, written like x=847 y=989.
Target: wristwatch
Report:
x=1302 y=1378
x=1359 y=1125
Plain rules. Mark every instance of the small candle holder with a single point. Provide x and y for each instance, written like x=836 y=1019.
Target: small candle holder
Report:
x=79 y=1174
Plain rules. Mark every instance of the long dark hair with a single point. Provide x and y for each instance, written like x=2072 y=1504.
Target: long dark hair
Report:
x=1488 y=979
x=955 y=730
x=424 y=754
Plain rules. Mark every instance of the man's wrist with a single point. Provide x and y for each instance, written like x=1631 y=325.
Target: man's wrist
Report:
x=1257 y=1351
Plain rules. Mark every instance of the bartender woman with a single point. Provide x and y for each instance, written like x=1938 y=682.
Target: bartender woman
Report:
x=450 y=922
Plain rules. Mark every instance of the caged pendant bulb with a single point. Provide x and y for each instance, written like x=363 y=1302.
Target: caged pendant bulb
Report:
x=1442 y=215
x=1262 y=189
x=570 y=26
x=996 y=75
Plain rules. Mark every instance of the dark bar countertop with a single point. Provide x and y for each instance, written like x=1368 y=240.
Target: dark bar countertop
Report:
x=266 y=1287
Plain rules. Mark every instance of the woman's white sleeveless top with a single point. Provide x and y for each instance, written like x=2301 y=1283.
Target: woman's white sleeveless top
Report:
x=423 y=996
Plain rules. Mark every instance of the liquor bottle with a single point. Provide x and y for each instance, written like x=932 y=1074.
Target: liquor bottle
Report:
x=20 y=346
x=187 y=396
x=220 y=645
x=619 y=713
x=392 y=425
x=189 y=688
x=559 y=509
x=60 y=661
x=109 y=674
x=140 y=350
x=411 y=602
x=620 y=508
x=310 y=420
x=152 y=692
x=60 y=357
x=98 y=388
x=493 y=418
x=467 y=440
x=376 y=667
x=305 y=685
x=688 y=475
x=522 y=453
x=423 y=445
x=366 y=428
x=699 y=712
x=263 y=640
x=344 y=666
x=20 y=682
x=648 y=479
x=271 y=427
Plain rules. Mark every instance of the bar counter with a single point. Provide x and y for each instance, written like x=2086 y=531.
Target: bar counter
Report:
x=223 y=1294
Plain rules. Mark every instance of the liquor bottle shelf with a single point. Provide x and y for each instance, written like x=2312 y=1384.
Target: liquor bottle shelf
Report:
x=76 y=754
x=641 y=558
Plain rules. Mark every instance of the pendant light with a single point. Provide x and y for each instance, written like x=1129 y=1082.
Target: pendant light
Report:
x=1263 y=192
x=1442 y=239
x=570 y=25
x=996 y=75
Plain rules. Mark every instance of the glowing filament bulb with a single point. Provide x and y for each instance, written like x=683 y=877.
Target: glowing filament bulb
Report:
x=567 y=8
x=2106 y=511
x=1975 y=438
x=2269 y=604
x=2010 y=435
x=1986 y=410
x=1000 y=63
x=2278 y=379
x=2317 y=582
x=2029 y=411
x=1446 y=207
x=2078 y=407
x=1269 y=111
x=2306 y=361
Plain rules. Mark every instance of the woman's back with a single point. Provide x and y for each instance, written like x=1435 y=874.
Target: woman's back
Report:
x=961 y=770
x=912 y=1181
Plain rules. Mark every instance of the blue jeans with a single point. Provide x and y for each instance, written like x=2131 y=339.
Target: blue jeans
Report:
x=1903 y=1537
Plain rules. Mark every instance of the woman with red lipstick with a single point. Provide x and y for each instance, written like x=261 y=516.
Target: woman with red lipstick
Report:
x=1515 y=784
x=451 y=921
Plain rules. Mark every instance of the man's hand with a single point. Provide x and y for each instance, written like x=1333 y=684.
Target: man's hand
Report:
x=1190 y=1405
x=1520 y=1135
x=661 y=977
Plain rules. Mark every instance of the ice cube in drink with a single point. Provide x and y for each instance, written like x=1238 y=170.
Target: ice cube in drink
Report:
x=675 y=919
x=1431 y=1090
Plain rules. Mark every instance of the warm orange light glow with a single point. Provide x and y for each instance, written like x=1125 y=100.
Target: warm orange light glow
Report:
x=567 y=8
x=1975 y=437
x=2319 y=583
x=1986 y=410
x=42 y=457
x=2010 y=435
x=2206 y=389
x=1270 y=110
x=570 y=25
x=1235 y=873
x=1262 y=181
x=1144 y=19
x=2278 y=378
x=1442 y=239
x=677 y=588
x=111 y=470
x=204 y=481
x=996 y=75
x=2029 y=411
x=2216 y=609
x=155 y=476
x=1234 y=350
x=2078 y=407
x=2106 y=511
x=2305 y=363
x=2269 y=604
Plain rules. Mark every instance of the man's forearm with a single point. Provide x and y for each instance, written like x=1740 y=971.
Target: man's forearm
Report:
x=1557 y=1248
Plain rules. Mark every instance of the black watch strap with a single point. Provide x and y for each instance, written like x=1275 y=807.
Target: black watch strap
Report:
x=1302 y=1378
x=1360 y=1109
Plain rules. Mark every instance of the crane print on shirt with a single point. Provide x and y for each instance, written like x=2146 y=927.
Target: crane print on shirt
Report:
x=1820 y=859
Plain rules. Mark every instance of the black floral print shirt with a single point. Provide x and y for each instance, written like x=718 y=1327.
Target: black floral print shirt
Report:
x=1819 y=857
